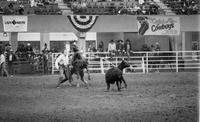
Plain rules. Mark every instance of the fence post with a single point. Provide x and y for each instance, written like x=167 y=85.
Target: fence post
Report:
x=52 y=59
x=143 y=65
x=101 y=63
x=147 y=62
x=116 y=62
x=176 y=61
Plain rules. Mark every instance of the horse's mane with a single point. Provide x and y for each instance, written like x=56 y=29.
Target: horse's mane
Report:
x=79 y=61
x=77 y=56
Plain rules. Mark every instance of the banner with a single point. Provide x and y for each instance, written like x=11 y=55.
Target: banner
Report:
x=15 y=23
x=158 y=25
x=82 y=23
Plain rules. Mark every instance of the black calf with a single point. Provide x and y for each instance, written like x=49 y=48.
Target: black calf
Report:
x=115 y=74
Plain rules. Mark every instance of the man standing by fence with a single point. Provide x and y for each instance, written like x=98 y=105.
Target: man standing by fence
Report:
x=112 y=48
x=45 y=55
x=10 y=59
x=3 y=67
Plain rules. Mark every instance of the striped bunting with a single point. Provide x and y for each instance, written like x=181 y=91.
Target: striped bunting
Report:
x=82 y=23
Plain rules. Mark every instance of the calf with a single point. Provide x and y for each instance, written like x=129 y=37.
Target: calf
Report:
x=115 y=74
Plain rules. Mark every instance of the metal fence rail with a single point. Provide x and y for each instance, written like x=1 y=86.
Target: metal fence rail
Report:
x=143 y=62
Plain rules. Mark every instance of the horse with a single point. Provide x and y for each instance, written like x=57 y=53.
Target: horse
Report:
x=79 y=63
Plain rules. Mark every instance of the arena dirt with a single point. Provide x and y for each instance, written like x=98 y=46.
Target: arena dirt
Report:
x=155 y=97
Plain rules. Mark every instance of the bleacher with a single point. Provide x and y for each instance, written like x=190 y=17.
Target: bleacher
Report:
x=133 y=7
x=24 y=7
x=183 y=7
x=101 y=7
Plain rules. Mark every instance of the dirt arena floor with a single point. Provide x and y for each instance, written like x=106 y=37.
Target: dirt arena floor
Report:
x=155 y=97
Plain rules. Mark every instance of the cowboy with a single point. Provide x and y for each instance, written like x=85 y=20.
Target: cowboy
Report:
x=62 y=63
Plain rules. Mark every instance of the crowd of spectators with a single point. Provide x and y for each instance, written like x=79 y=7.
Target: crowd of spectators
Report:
x=26 y=55
x=23 y=7
x=183 y=7
x=136 y=7
x=133 y=8
x=123 y=48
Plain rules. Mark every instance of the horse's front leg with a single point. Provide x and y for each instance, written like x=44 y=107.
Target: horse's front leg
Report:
x=77 y=72
x=82 y=78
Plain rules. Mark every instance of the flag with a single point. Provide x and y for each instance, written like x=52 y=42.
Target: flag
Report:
x=82 y=23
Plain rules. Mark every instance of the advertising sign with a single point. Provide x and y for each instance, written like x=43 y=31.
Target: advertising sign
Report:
x=156 y=25
x=15 y=23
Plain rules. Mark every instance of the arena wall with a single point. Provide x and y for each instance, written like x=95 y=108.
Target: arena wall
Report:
x=105 y=23
x=107 y=28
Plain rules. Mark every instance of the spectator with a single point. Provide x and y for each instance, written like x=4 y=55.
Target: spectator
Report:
x=10 y=9
x=36 y=50
x=45 y=56
x=153 y=48
x=11 y=58
x=90 y=48
x=7 y=47
x=101 y=47
x=3 y=67
x=145 y=47
x=112 y=48
x=120 y=47
x=93 y=47
x=32 y=3
x=21 y=9
x=21 y=51
x=157 y=46
x=29 y=52
x=127 y=47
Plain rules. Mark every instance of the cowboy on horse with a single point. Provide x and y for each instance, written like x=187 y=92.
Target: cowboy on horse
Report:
x=79 y=63
x=76 y=66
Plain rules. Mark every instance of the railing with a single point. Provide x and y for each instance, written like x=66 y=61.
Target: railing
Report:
x=143 y=62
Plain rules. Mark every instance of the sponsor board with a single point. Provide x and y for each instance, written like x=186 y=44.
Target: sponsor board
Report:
x=15 y=23
x=158 y=25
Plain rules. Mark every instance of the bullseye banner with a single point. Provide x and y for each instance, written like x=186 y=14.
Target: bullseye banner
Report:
x=156 y=25
x=82 y=23
x=15 y=23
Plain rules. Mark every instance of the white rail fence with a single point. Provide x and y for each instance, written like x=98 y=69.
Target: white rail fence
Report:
x=143 y=62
